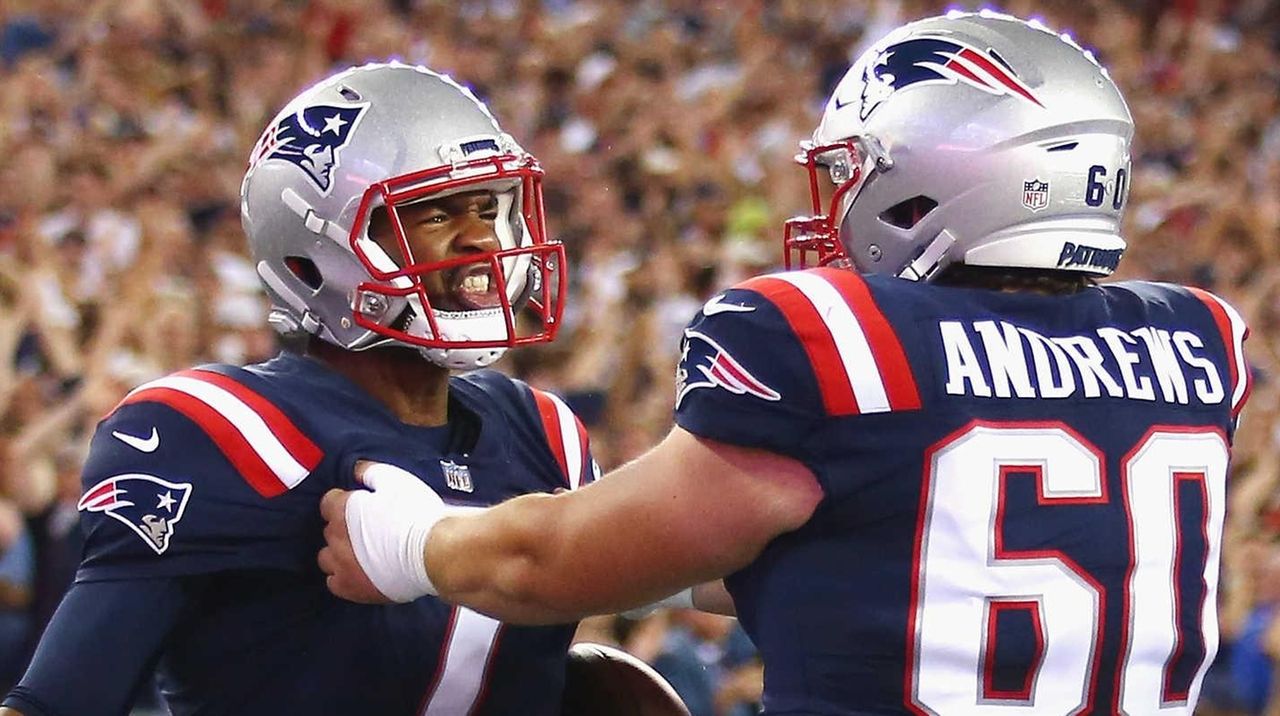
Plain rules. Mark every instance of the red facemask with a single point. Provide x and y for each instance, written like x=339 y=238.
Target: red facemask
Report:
x=541 y=293
x=814 y=240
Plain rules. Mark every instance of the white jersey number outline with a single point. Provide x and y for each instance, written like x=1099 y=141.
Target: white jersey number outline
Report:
x=465 y=658
x=965 y=576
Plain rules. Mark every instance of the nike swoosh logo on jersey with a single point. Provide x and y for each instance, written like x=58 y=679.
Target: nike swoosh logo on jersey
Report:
x=716 y=305
x=144 y=444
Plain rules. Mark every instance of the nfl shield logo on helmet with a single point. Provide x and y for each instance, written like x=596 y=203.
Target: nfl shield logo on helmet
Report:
x=1035 y=194
x=311 y=139
x=457 y=477
x=148 y=505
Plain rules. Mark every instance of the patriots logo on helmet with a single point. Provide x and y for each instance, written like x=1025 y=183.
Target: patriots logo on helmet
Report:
x=311 y=139
x=928 y=60
x=149 y=505
x=705 y=364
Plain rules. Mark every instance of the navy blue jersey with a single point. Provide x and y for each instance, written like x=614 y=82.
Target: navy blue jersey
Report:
x=200 y=511
x=1023 y=494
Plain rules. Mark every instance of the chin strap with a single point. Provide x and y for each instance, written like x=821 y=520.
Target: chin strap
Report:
x=462 y=358
x=927 y=262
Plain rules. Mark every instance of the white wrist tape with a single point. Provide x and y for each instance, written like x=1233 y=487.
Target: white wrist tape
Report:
x=682 y=599
x=389 y=524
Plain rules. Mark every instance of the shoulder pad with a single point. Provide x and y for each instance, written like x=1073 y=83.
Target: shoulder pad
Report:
x=1234 y=332
x=264 y=444
x=564 y=433
x=487 y=381
x=854 y=351
x=163 y=495
x=567 y=437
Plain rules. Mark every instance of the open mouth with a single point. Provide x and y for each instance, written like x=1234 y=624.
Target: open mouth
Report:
x=472 y=288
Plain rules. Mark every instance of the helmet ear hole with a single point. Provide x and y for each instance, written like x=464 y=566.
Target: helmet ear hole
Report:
x=906 y=214
x=305 y=270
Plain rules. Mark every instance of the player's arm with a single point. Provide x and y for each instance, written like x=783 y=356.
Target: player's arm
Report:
x=688 y=511
x=99 y=649
x=713 y=597
x=710 y=597
x=158 y=498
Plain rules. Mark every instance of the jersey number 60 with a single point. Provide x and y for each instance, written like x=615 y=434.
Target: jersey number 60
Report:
x=968 y=579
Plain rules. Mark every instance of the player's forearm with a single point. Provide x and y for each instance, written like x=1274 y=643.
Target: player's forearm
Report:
x=506 y=562
x=6 y=711
x=641 y=533
x=104 y=638
x=711 y=597
x=688 y=511
x=538 y=559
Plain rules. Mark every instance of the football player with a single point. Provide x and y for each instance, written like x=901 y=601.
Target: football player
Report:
x=943 y=470
x=399 y=232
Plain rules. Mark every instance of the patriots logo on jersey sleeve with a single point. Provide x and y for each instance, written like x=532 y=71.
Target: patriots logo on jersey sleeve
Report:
x=706 y=364
x=149 y=505
x=928 y=60
x=311 y=138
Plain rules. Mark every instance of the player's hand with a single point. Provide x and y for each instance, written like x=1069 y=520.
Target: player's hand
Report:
x=338 y=559
x=374 y=538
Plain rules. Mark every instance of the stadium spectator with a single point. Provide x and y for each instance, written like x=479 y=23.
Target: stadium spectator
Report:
x=665 y=126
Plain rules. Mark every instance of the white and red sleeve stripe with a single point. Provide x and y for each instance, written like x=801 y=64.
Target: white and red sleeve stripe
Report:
x=859 y=362
x=567 y=437
x=264 y=445
x=1234 y=333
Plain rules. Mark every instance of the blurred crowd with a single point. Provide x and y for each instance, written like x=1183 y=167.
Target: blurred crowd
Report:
x=666 y=128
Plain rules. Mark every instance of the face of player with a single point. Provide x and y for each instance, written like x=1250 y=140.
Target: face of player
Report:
x=440 y=229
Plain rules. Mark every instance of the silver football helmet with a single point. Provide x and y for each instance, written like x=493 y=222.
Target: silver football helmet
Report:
x=974 y=138
x=375 y=139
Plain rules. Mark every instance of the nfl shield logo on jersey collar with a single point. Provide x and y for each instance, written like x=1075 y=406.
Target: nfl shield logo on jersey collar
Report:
x=457 y=477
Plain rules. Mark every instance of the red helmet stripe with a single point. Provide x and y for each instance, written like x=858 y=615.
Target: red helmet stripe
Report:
x=1013 y=84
